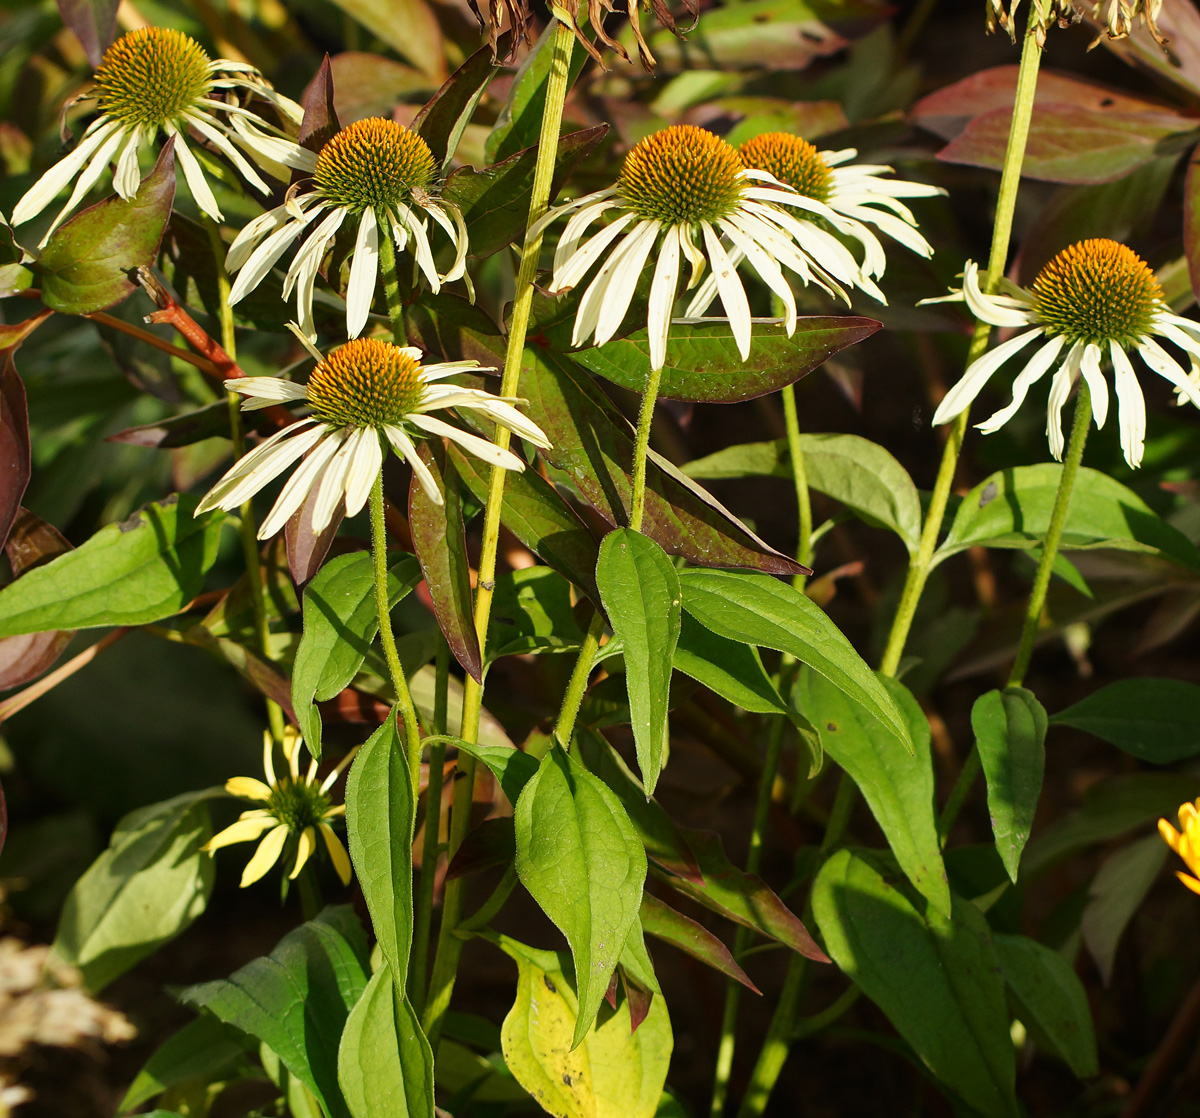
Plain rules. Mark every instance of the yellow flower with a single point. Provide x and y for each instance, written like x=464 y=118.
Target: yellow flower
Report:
x=293 y=806
x=1187 y=844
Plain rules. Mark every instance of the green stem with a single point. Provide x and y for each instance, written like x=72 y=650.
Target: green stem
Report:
x=1058 y=520
x=733 y=990
x=249 y=541
x=449 y=945
x=800 y=480
x=391 y=281
x=423 y=918
x=819 y=1021
x=637 y=509
x=408 y=712
x=1010 y=180
x=577 y=686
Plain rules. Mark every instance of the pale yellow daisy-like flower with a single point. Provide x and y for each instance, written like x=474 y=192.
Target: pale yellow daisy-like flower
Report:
x=1185 y=842
x=293 y=808
x=1094 y=302
x=363 y=396
x=375 y=174
x=156 y=80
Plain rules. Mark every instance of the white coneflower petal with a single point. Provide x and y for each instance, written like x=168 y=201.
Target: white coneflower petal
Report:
x=973 y=380
x=1089 y=366
x=405 y=448
x=591 y=306
x=662 y=297
x=128 y=175
x=1060 y=389
x=261 y=466
x=298 y=485
x=622 y=282
x=1039 y=364
x=194 y=176
x=265 y=391
x=364 y=268
x=1131 y=406
x=733 y=295
x=331 y=486
x=367 y=458
x=51 y=184
x=581 y=262
x=481 y=448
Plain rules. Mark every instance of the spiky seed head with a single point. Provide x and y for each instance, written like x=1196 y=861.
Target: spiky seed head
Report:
x=374 y=164
x=682 y=175
x=366 y=383
x=151 y=76
x=792 y=160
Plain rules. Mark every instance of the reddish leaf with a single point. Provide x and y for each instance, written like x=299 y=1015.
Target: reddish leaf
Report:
x=306 y=548
x=440 y=542
x=371 y=85
x=178 y=430
x=1191 y=220
x=88 y=261
x=660 y=920
x=1180 y=65
x=94 y=23
x=638 y=997
x=442 y=120
x=13 y=334
x=14 y=444
x=742 y=897
x=593 y=445
x=320 y=120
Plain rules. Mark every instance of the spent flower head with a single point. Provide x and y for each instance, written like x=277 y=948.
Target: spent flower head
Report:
x=157 y=80
x=1185 y=842
x=373 y=173
x=1094 y=302
x=363 y=396
x=294 y=809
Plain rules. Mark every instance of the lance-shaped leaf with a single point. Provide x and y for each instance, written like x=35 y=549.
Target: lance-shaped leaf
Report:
x=640 y=591
x=1010 y=733
x=385 y=1064
x=660 y=920
x=1115 y=895
x=14 y=444
x=296 y=1000
x=611 y=1071
x=178 y=430
x=380 y=811
x=898 y=786
x=307 y=547
x=448 y=325
x=593 y=446
x=704 y=364
x=532 y=612
x=729 y=668
x=409 y=27
x=142 y=570
x=340 y=623
x=94 y=23
x=443 y=119
x=440 y=541
x=495 y=201
x=741 y=897
x=511 y=768
x=758 y=610
x=582 y=861
x=320 y=120
x=1154 y=720
x=937 y=979
x=87 y=263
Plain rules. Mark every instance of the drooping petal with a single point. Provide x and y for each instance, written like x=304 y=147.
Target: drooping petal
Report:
x=266 y=855
x=978 y=374
x=337 y=853
x=261 y=466
x=597 y=293
x=128 y=175
x=733 y=295
x=262 y=392
x=52 y=183
x=256 y=266
x=254 y=231
x=194 y=175
x=403 y=446
x=1131 y=405
x=304 y=849
x=1166 y=366
x=768 y=270
x=484 y=449
x=1036 y=368
x=576 y=266
x=244 y=830
x=624 y=280
x=91 y=175
x=300 y=483
x=1060 y=389
x=247 y=788
x=1089 y=365
x=331 y=486
x=364 y=271
x=662 y=297
x=365 y=462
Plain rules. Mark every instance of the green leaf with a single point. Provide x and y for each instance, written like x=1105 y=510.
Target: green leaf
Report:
x=87 y=262
x=380 y=813
x=1050 y=999
x=705 y=365
x=511 y=768
x=495 y=201
x=937 y=980
x=640 y=591
x=593 y=446
x=531 y=613
x=340 y=623
x=854 y=471
x=439 y=539
x=1116 y=893
x=409 y=27
x=142 y=570
x=758 y=610
x=385 y=1064
x=458 y=330
x=204 y=1051
x=442 y=121
x=729 y=668
x=582 y=861
x=1154 y=720
x=608 y=1072
x=146 y=888
x=1010 y=733
x=662 y=921
x=741 y=897
x=1012 y=509
x=296 y=1000
x=897 y=786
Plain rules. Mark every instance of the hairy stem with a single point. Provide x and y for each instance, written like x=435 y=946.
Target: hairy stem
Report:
x=800 y=479
x=565 y=726
x=641 y=449
x=391 y=281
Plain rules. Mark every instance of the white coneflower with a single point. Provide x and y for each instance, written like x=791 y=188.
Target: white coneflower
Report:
x=293 y=808
x=364 y=393
x=374 y=172
x=1094 y=301
x=858 y=194
x=674 y=185
x=156 y=80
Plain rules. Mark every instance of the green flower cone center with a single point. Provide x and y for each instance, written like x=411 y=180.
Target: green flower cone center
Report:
x=793 y=161
x=366 y=383
x=297 y=804
x=374 y=164
x=1097 y=291
x=681 y=176
x=152 y=76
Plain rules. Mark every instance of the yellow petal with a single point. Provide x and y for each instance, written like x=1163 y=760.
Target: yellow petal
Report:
x=337 y=853
x=247 y=788
x=1169 y=835
x=244 y=830
x=308 y=843
x=268 y=748
x=266 y=855
x=291 y=750
x=1190 y=882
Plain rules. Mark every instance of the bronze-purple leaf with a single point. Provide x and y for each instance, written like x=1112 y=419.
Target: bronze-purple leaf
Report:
x=320 y=120
x=660 y=920
x=14 y=444
x=441 y=122
x=94 y=23
x=306 y=547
